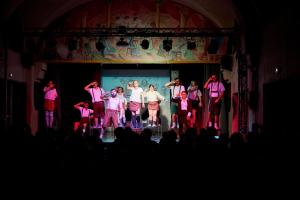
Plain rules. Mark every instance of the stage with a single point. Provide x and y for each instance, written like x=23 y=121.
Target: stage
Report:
x=109 y=136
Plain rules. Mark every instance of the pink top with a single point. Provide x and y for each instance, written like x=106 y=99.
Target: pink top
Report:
x=50 y=94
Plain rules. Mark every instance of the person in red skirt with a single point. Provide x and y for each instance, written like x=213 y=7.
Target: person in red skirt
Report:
x=50 y=94
x=153 y=98
x=136 y=100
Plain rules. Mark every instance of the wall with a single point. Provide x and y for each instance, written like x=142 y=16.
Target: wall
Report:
x=280 y=49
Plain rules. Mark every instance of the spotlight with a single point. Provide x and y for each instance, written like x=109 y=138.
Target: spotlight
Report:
x=191 y=45
x=100 y=46
x=72 y=44
x=277 y=70
x=167 y=44
x=121 y=42
x=145 y=44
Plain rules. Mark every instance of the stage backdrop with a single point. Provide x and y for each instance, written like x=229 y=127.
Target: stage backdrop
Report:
x=76 y=43
x=114 y=78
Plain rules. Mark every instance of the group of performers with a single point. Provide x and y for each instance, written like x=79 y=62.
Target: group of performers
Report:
x=110 y=107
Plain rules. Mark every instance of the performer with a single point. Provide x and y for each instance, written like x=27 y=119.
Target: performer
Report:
x=176 y=88
x=153 y=98
x=50 y=94
x=97 y=93
x=195 y=96
x=136 y=98
x=216 y=93
x=85 y=113
x=114 y=105
x=121 y=114
x=184 y=111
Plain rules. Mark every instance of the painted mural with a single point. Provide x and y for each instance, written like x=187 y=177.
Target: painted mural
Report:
x=133 y=14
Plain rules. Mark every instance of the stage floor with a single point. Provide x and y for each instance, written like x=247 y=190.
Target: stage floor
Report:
x=110 y=137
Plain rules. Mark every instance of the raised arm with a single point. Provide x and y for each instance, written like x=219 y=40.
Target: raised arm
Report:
x=86 y=88
x=77 y=106
x=46 y=89
x=207 y=82
x=130 y=86
x=169 y=84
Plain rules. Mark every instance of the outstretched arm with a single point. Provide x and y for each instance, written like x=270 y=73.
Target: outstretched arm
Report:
x=160 y=97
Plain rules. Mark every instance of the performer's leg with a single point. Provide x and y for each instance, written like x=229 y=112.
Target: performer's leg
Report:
x=193 y=118
x=138 y=121
x=138 y=118
x=180 y=131
x=174 y=110
x=154 y=118
x=174 y=120
x=84 y=125
x=101 y=122
x=96 y=121
x=119 y=118
x=102 y=114
x=133 y=119
x=51 y=119
x=115 y=119
x=47 y=118
x=123 y=117
x=210 y=119
x=150 y=117
x=216 y=121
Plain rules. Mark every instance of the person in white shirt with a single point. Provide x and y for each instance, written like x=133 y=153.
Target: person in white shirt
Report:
x=136 y=99
x=176 y=88
x=121 y=113
x=85 y=113
x=195 y=95
x=184 y=112
x=153 y=98
x=50 y=94
x=97 y=94
x=216 y=93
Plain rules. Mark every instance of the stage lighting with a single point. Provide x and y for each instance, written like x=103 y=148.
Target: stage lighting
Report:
x=72 y=44
x=145 y=44
x=167 y=44
x=121 y=42
x=191 y=45
x=100 y=46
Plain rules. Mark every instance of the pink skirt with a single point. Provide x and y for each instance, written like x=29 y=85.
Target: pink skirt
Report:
x=134 y=106
x=153 y=105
